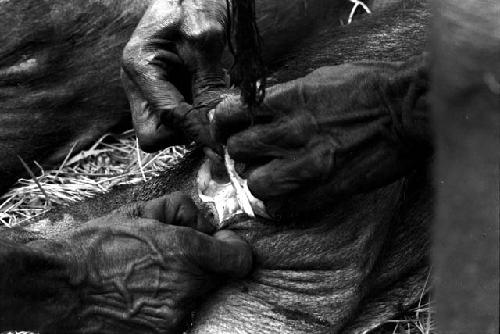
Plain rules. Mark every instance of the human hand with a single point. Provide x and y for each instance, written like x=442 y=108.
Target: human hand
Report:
x=172 y=71
x=338 y=131
x=143 y=268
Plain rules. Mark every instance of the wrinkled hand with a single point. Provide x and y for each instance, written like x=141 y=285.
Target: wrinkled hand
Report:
x=143 y=268
x=338 y=131
x=172 y=72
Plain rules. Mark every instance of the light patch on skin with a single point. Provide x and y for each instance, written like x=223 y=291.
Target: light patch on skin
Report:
x=229 y=198
x=492 y=83
x=222 y=195
x=240 y=186
x=27 y=65
x=198 y=20
x=48 y=228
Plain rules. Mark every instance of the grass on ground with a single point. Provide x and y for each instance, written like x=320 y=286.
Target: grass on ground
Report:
x=111 y=161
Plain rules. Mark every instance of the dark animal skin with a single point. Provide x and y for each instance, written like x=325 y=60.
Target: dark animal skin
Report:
x=71 y=91
x=60 y=65
x=346 y=270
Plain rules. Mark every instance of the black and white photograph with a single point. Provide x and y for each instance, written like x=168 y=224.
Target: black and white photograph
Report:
x=249 y=166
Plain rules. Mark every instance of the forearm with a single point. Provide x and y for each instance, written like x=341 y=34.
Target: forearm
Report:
x=35 y=289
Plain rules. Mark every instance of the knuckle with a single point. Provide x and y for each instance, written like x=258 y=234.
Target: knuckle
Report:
x=136 y=57
x=282 y=97
x=207 y=36
x=233 y=145
x=184 y=208
x=207 y=29
x=322 y=160
x=180 y=198
x=167 y=11
x=257 y=181
x=299 y=128
x=228 y=106
x=131 y=51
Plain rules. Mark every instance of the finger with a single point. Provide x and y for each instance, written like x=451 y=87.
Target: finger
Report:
x=218 y=170
x=154 y=68
x=151 y=133
x=225 y=253
x=222 y=124
x=232 y=116
x=197 y=127
x=283 y=176
x=273 y=140
x=175 y=209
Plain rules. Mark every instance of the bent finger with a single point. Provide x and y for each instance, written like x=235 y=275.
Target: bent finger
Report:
x=175 y=209
x=273 y=140
x=151 y=133
x=225 y=253
x=302 y=169
x=152 y=65
x=232 y=115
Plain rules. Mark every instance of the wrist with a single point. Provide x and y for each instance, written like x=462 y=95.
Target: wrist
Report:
x=407 y=101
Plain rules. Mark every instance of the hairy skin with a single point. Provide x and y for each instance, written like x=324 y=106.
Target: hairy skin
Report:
x=346 y=270
x=60 y=69
x=140 y=269
x=52 y=55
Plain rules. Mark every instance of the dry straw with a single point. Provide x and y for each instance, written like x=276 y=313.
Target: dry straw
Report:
x=112 y=160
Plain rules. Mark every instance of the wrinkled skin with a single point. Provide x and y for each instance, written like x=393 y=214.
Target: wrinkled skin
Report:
x=174 y=36
x=338 y=131
x=60 y=69
x=139 y=269
x=174 y=58
x=347 y=269
x=468 y=151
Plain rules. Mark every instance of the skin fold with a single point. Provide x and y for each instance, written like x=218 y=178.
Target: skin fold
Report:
x=346 y=269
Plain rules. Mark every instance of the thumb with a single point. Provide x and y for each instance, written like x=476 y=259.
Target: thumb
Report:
x=176 y=208
x=225 y=254
x=232 y=116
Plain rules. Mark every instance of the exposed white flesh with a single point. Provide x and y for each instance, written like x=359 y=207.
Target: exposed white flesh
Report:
x=229 y=198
